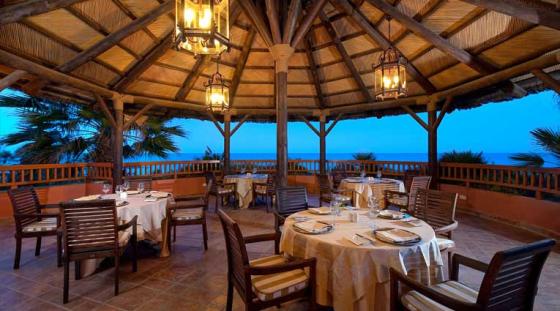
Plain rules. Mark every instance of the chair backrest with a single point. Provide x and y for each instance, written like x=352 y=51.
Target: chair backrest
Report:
x=408 y=176
x=435 y=207
x=135 y=181
x=325 y=185
x=270 y=183
x=337 y=177
x=510 y=283
x=236 y=253
x=290 y=200
x=89 y=227
x=418 y=182
x=24 y=201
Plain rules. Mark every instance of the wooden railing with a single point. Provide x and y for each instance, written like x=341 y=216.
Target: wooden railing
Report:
x=537 y=180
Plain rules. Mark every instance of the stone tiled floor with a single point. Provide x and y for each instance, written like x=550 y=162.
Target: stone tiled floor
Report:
x=192 y=279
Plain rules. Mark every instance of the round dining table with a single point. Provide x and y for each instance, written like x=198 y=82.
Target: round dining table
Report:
x=352 y=277
x=151 y=224
x=369 y=186
x=244 y=184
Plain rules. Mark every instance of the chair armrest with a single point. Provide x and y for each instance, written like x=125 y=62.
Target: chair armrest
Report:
x=396 y=193
x=132 y=223
x=45 y=215
x=261 y=237
x=467 y=262
x=188 y=197
x=447 y=228
x=283 y=218
x=289 y=266
x=52 y=205
x=397 y=277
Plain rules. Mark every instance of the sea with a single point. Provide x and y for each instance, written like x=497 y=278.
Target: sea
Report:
x=491 y=158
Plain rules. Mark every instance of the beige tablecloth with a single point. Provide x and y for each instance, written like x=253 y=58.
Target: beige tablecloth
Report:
x=366 y=187
x=152 y=223
x=245 y=186
x=351 y=277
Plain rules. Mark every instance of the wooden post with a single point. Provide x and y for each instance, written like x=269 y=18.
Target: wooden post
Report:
x=227 y=140
x=281 y=54
x=118 y=105
x=322 y=145
x=432 y=142
x=12 y=78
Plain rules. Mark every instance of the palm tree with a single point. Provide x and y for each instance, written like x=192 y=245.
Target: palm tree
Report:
x=546 y=138
x=364 y=156
x=6 y=156
x=57 y=132
x=463 y=157
x=211 y=155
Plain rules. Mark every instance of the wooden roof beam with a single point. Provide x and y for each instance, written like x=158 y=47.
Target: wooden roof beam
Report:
x=257 y=19
x=540 y=13
x=291 y=20
x=16 y=12
x=547 y=79
x=274 y=20
x=373 y=33
x=115 y=37
x=188 y=85
x=439 y=42
x=314 y=71
x=11 y=78
x=136 y=71
x=307 y=21
x=347 y=60
x=241 y=65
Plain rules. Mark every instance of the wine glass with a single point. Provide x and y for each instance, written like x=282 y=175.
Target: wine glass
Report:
x=106 y=188
x=379 y=174
x=140 y=187
x=254 y=170
x=373 y=206
x=126 y=185
x=363 y=174
x=243 y=171
x=118 y=190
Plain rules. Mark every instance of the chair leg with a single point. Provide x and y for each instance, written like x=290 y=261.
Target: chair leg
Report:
x=174 y=233
x=18 y=253
x=59 y=249
x=449 y=263
x=229 y=302
x=77 y=270
x=38 y=246
x=205 y=236
x=134 y=253
x=216 y=203
x=66 y=281
x=169 y=225
x=117 y=264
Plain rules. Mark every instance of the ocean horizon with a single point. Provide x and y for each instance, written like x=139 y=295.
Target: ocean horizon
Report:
x=491 y=158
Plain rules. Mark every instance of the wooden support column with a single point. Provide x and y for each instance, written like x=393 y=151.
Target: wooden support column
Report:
x=432 y=142
x=227 y=142
x=118 y=105
x=322 y=144
x=281 y=54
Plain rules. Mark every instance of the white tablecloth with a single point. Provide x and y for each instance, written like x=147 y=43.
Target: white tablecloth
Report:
x=366 y=187
x=351 y=277
x=245 y=186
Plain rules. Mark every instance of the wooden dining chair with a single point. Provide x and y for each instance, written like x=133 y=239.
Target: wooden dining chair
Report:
x=188 y=211
x=437 y=209
x=408 y=177
x=266 y=191
x=509 y=283
x=404 y=201
x=265 y=282
x=133 y=182
x=289 y=200
x=91 y=231
x=221 y=191
x=327 y=190
x=32 y=221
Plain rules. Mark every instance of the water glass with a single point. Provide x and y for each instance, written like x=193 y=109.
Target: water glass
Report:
x=362 y=174
x=118 y=190
x=106 y=188
x=140 y=187
x=373 y=207
x=254 y=171
x=126 y=185
x=379 y=174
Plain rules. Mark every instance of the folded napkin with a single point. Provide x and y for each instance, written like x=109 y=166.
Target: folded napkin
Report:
x=133 y=192
x=320 y=210
x=409 y=222
x=313 y=226
x=391 y=214
x=396 y=235
x=159 y=194
x=358 y=240
x=151 y=199
x=89 y=198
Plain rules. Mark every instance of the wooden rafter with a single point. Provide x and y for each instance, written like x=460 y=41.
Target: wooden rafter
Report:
x=547 y=79
x=257 y=20
x=314 y=70
x=197 y=69
x=291 y=20
x=274 y=20
x=142 y=111
x=540 y=12
x=239 y=124
x=415 y=116
x=115 y=37
x=11 y=78
x=373 y=33
x=312 y=13
x=216 y=123
x=16 y=12
x=314 y=129
x=443 y=112
x=439 y=42
x=347 y=60
x=328 y=131
x=241 y=65
x=103 y=105
x=153 y=55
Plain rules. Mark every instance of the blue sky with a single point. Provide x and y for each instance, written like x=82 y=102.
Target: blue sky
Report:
x=493 y=128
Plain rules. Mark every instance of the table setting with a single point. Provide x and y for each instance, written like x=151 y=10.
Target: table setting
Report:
x=244 y=183
x=365 y=187
x=355 y=249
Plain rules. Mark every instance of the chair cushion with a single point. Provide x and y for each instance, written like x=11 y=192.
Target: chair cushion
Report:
x=268 y=287
x=415 y=301
x=47 y=224
x=189 y=203
x=444 y=244
x=187 y=214
x=398 y=201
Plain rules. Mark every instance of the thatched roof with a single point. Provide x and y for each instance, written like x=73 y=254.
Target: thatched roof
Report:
x=448 y=44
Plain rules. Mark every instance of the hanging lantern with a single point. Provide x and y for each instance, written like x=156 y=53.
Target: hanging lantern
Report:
x=202 y=26
x=390 y=73
x=217 y=92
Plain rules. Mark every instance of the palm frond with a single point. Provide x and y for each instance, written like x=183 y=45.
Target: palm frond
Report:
x=462 y=157
x=528 y=159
